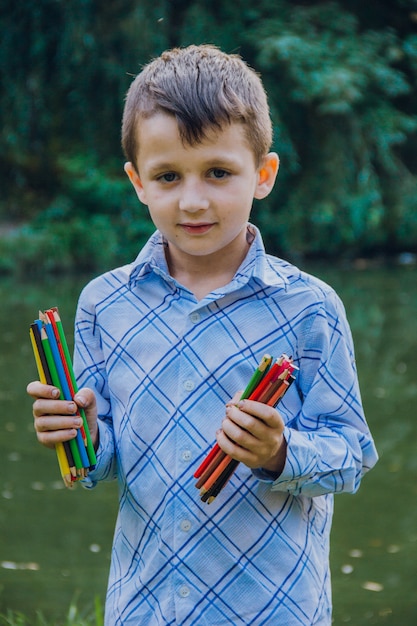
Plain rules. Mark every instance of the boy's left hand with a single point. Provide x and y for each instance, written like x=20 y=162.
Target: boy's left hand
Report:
x=252 y=433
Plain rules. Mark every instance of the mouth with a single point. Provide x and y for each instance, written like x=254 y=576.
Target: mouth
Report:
x=196 y=229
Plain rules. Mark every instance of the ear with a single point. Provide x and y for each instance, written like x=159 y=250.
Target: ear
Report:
x=135 y=180
x=267 y=174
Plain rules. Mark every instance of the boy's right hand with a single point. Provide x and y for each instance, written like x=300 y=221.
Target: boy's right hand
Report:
x=56 y=420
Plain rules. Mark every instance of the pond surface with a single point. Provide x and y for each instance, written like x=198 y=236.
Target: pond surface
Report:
x=55 y=543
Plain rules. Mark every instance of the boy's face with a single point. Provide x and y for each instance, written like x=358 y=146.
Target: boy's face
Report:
x=199 y=197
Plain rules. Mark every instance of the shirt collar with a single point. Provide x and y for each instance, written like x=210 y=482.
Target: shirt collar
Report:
x=257 y=264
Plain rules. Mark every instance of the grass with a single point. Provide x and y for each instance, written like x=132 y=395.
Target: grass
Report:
x=74 y=617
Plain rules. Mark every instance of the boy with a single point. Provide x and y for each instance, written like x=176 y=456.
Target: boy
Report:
x=164 y=343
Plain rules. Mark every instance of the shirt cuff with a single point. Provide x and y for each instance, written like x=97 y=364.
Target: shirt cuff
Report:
x=300 y=464
x=104 y=456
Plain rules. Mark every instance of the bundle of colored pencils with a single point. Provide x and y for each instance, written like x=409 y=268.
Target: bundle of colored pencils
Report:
x=75 y=457
x=268 y=384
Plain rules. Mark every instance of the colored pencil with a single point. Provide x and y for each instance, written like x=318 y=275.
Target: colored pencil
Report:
x=44 y=377
x=211 y=494
x=268 y=384
x=213 y=465
x=56 y=380
x=257 y=375
x=76 y=457
x=202 y=468
x=55 y=318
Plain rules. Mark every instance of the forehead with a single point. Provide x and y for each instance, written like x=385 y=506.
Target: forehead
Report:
x=160 y=133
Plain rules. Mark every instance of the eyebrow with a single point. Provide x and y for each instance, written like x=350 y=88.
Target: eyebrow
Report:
x=156 y=167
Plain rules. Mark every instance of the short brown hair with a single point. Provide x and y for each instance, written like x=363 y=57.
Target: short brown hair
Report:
x=203 y=88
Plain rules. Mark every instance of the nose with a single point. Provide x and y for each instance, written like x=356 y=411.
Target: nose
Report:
x=193 y=197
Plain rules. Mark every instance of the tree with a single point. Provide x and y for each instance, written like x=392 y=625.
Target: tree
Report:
x=344 y=96
x=341 y=78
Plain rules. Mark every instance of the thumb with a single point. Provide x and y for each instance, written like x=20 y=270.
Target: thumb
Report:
x=86 y=399
x=235 y=398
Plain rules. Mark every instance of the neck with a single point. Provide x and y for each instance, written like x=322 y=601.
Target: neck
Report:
x=202 y=275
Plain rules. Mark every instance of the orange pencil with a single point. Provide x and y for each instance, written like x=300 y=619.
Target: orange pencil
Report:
x=215 y=475
x=278 y=393
x=216 y=460
x=222 y=480
x=272 y=387
x=207 y=461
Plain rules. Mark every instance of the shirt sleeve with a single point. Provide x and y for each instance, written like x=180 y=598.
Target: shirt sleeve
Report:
x=89 y=368
x=329 y=445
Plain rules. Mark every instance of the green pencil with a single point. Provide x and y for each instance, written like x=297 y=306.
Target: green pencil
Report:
x=89 y=444
x=257 y=375
x=55 y=379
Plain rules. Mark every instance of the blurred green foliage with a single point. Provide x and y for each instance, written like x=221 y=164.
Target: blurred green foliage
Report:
x=341 y=78
x=74 y=617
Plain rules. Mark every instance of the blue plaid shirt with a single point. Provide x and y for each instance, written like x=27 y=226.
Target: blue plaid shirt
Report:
x=163 y=365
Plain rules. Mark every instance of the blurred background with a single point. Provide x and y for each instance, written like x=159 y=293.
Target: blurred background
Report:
x=342 y=84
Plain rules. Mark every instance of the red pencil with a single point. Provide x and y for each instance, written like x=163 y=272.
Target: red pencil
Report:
x=216 y=474
x=215 y=462
x=50 y=313
x=207 y=460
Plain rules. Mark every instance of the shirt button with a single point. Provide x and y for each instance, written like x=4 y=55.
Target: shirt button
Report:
x=195 y=317
x=184 y=591
x=188 y=385
x=186 y=455
x=185 y=525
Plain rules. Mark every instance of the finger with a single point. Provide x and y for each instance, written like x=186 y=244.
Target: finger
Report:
x=236 y=418
x=86 y=399
x=234 y=450
x=267 y=415
x=37 y=389
x=253 y=452
x=51 y=423
x=235 y=398
x=44 y=406
x=50 y=438
x=52 y=429
x=237 y=434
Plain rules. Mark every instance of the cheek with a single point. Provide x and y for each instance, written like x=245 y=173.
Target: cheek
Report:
x=161 y=213
x=156 y=201
x=238 y=210
x=241 y=195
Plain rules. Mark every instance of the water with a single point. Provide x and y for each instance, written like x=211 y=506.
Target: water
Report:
x=55 y=544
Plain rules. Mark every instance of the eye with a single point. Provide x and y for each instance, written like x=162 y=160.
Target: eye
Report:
x=219 y=173
x=168 y=177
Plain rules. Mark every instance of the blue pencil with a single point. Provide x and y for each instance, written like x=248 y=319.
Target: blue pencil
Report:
x=65 y=389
